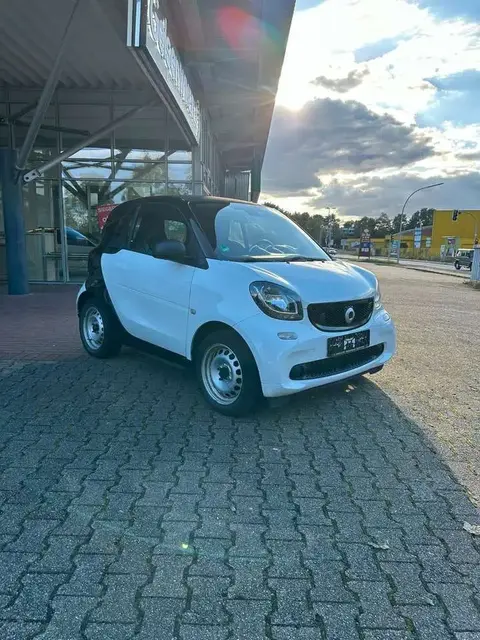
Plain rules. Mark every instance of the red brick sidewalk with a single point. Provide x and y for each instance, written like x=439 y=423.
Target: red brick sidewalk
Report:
x=40 y=326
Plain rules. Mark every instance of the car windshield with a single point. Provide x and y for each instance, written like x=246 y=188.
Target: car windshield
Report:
x=246 y=233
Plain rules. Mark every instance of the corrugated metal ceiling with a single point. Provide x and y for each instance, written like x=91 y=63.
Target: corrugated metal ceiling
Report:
x=95 y=57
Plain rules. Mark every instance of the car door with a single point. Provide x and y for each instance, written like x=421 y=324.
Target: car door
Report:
x=151 y=295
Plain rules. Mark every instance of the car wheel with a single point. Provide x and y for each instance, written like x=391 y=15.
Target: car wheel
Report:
x=458 y=266
x=99 y=329
x=228 y=374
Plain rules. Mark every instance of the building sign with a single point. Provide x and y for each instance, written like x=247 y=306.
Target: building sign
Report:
x=365 y=245
x=417 y=238
x=103 y=211
x=149 y=39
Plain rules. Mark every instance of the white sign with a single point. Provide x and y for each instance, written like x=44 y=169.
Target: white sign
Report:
x=417 y=238
x=148 y=33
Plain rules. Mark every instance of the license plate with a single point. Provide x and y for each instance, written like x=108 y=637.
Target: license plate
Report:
x=343 y=344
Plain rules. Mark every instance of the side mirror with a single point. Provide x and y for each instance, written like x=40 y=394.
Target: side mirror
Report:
x=170 y=250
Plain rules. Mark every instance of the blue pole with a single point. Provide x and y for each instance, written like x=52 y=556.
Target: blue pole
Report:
x=17 y=275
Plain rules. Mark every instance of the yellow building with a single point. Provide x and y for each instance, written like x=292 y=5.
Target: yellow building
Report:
x=459 y=233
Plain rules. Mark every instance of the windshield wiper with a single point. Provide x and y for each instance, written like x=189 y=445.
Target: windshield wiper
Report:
x=303 y=259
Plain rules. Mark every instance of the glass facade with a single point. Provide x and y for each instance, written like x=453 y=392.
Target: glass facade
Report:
x=140 y=158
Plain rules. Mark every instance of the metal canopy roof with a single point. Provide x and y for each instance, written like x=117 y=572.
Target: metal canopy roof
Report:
x=233 y=53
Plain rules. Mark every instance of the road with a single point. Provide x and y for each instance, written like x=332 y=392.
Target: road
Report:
x=128 y=510
x=427 y=265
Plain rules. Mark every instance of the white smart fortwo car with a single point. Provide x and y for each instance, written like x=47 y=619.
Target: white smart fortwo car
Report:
x=238 y=289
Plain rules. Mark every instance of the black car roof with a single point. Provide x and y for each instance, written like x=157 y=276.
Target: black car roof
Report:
x=183 y=199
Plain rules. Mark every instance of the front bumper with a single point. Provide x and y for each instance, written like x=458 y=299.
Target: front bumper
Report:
x=277 y=351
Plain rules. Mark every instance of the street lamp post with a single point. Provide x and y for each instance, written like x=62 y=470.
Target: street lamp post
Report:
x=430 y=186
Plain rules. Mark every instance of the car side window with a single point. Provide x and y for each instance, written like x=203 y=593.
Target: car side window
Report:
x=156 y=223
x=116 y=231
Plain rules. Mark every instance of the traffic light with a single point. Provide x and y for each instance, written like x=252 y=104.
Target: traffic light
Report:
x=455 y=215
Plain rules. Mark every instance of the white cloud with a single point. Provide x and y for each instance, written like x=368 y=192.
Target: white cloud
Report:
x=324 y=39
x=380 y=54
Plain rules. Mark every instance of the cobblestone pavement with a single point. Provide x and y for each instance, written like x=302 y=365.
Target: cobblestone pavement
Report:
x=129 y=510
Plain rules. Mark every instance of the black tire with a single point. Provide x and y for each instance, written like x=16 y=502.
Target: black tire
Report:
x=111 y=343
x=458 y=266
x=231 y=348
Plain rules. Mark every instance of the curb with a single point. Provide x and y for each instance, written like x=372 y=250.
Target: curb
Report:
x=407 y=266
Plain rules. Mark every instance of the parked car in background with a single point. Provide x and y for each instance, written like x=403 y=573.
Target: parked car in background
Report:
x=237 y=289
x=332 y=252
x=464 y=258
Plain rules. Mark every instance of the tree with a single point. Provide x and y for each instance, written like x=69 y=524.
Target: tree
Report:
x=423 y=217
x=396 y=223
x=365 y=223
x=383 y=226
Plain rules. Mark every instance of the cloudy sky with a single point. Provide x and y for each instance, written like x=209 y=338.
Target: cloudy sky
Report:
x=378 y=98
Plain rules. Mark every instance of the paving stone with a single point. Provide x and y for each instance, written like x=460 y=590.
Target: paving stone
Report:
x=248 y=540
x=78 y=521
x=182 y=508
x=158 y=620
x=69 y=614
x=311 y=511
x=33 y=600
x=409 y=589
x=246 y=510
x=119 y=602
x=188 y=632
x=387 y=634
x=210 y=558
x=19 y=630
x=463 y=614
x=319 y=541
x=415 y=530
x=292 y=606
x=87 y=578
x=377 y=611
x=429 y=622
x=329 y=581
x=135 y=555
x=295 y=633
x=177 y=538
x=108 y=631
x=248 y=618
x=340 y=620
x=106 y=538
x=281 y=525
x=459 y=546
x=12 y=566
x=34 y=536
x=286 y=565
x=214 y=523
x=249 y=579
x=58 y=558
x=361 y=561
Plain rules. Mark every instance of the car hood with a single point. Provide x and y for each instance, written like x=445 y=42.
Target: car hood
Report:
x=318 y=281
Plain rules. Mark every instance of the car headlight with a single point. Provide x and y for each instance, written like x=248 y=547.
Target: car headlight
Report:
x=378 y=298
x=277 y=301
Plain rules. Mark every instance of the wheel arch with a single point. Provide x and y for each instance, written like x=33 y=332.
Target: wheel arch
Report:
x=208 y=328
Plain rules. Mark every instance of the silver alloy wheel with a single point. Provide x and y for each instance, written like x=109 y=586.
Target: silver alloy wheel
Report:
x=222 y=374
x=93 y=329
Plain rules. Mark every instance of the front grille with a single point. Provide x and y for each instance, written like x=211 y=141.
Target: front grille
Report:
x=330 y=316
x=337 y=364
